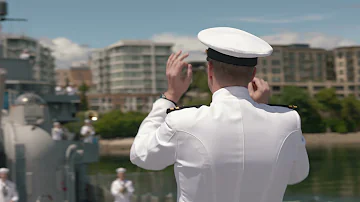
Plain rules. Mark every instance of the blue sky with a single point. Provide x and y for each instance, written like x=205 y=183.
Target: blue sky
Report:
x=101 y=23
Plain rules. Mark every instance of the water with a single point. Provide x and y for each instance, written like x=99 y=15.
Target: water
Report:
x=334 y=176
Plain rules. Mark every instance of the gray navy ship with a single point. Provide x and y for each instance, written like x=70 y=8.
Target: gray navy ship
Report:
x=41 y=167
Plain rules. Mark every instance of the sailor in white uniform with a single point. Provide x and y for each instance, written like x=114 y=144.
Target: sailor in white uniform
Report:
x=7 y=188
x=237 y=149
x=57 y=131
x=87 y=131
x=121 y=188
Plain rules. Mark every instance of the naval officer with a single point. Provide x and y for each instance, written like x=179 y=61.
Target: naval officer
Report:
x=7 y=188
x=237 y=149
x=121 y=188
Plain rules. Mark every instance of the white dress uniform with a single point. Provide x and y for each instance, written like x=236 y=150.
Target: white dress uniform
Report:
x=57 y=133
x=88 y=129
x=119 y=184
x=122 y=197
x=233 y=150
x=8 y=191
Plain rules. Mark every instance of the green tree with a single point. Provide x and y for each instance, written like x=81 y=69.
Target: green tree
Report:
x=118 y=124
x=311 y=120
x=329 y=106
x=328 y=102
x=67 y=81
x=83 y=89
x=350 y=113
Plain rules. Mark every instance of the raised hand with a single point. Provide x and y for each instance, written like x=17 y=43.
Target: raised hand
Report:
x=259 y=91
x=177 y=83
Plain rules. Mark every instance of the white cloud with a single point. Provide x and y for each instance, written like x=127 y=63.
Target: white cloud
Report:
x=66 y=51
x=318 y=40
x=267 y=20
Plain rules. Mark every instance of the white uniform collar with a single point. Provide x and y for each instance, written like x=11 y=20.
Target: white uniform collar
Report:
x=232 y=91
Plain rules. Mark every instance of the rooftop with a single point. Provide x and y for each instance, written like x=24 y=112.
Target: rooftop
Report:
x=296 y=46
x=138 y=43
x=347 y=47
x=22 y=37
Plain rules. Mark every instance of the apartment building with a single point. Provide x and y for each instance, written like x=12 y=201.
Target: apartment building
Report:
x=100 y=70
x=122 y=101
x=75 y=76
x=44 y=63
x=130 y=67
x=312 y=69
x=347 y=64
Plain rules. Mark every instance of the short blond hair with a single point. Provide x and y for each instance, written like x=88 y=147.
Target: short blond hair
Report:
x=228 y=74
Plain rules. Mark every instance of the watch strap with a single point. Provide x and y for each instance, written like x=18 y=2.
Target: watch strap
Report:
x=164 y=97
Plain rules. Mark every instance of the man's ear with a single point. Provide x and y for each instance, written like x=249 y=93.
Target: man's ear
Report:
x=210 y=70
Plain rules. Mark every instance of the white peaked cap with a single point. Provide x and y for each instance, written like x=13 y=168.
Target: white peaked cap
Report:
x=4 y=170
x=238 y=44
x=121 y=170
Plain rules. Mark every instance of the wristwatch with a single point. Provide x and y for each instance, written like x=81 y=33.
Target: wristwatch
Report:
x=164 y=97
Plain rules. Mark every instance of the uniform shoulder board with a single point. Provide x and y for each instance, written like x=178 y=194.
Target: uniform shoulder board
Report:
x=288 y=106
x=179 y=108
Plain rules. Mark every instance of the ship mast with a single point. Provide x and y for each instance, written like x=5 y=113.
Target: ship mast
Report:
x=4 y=13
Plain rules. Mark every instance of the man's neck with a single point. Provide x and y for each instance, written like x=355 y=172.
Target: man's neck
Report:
x=224 y=86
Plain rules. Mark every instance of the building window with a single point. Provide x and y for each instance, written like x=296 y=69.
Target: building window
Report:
x=264 y=62
x=340 y=54
x=275 y=79
x=276 y=88
x=291 y=55
x=339 y=87
x=275 y=70
x=349 y=54
x=316 y=88
x=341 y=72
x=146 y=58
x=264 y=70
x=275 y=62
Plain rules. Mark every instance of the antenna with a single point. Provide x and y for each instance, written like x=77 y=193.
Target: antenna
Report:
x=4 y=12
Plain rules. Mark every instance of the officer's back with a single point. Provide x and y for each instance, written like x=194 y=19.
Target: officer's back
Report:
x=236 y=149
x=230 y=151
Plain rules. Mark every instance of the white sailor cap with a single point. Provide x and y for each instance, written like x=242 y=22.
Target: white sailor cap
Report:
x=234 y=46
x=121 y=170
x=4 y=170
